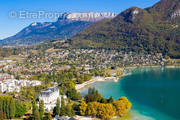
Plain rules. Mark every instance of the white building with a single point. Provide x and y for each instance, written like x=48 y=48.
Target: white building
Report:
x=11 y=85
x=50 y=96
x=6 y=61
x=5 y=76
x=1 y=86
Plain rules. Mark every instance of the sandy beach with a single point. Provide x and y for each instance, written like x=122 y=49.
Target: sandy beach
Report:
x=93 y=80
x=85 y=118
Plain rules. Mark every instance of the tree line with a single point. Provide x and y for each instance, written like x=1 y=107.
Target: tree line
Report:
x=95 y=105
x=11 y=108
x=7 y=107
x=38 y=113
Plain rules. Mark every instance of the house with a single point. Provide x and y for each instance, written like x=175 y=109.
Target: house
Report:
x=5 y=76
x=6 y=61
x=10 y=85
x=50 y=96
x=1 y=87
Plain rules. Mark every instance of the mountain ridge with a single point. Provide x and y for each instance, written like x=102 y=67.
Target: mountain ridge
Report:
x=65 y=27
x=135 y=29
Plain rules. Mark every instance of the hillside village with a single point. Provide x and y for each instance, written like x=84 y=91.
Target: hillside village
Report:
x=80 y=59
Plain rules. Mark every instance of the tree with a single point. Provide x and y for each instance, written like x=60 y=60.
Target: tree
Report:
x=7 y=106
x=12 y=108
x=49 y=117
x=122 y=106
x=57 y=111
x=93 y=96
x=1 y=104
x=2 y=116
x=33 y=106
x=83 y=108
x=63 y=110
x=41 y=109
x=73 y=94
x=92 y=109
x=21 y=108
x=69 y=110
x=35 y=111
x=106 y=111
x=110 y=100
x=36 y=115
x=119 y=73
x=104 y=100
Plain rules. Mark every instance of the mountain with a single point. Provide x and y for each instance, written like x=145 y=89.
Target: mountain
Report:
x=150 y=30
x=90 y=16
x=68 y=25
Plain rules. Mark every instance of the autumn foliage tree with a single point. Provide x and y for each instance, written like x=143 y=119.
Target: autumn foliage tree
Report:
x=82 y=108
x=122 y=106
x=92 y=109
x=105 y=109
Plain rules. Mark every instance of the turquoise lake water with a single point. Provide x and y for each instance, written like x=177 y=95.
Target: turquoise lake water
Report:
x=154 y=92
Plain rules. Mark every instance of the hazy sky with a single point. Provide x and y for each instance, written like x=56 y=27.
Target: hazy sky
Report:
x=17 y=14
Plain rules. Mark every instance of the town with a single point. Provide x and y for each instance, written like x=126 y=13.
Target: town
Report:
x=79 y=58
x=52 y=79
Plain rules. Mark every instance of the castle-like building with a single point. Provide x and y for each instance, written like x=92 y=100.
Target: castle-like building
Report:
x=50 y=96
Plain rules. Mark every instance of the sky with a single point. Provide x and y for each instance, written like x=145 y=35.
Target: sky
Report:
x=17 y=14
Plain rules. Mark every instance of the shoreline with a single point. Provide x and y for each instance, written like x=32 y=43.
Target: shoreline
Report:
x=135 y=114
x=79 y=87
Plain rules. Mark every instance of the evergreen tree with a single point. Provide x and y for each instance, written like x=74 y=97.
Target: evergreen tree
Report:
x=33 y=106
x=4 y=105
x=35 y=111
x=41 y=109
x=63 y=109
x=110 y=100
x=49 y=117
x=69 y=110
x=1 y=104
x=7 y=107
x=2 y=116
x=12 y=108
x=36 y=115
x=57 y=111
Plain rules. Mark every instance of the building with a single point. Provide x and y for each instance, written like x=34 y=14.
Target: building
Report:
x=50 y=96
x=10 y=85
x=5 y=76
x=1 y=86
x=6 y=61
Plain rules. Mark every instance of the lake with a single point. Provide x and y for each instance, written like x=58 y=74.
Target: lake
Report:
x=154 y=92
